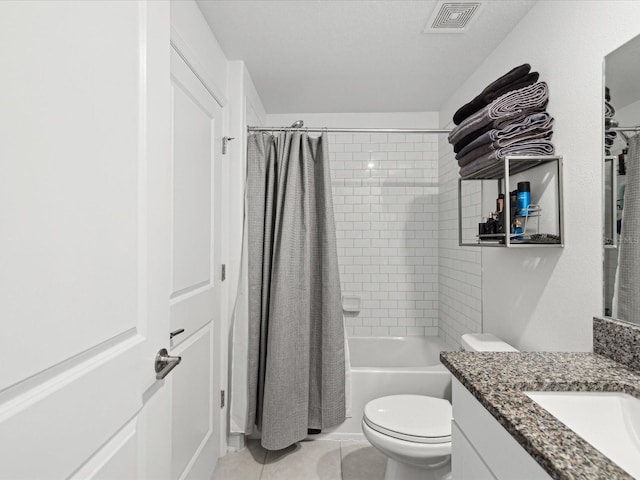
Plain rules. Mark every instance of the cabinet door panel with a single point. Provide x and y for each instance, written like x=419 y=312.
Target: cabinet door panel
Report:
x=84 y=235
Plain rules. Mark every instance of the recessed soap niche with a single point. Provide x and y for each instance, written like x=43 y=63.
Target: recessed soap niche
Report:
x=351 y=303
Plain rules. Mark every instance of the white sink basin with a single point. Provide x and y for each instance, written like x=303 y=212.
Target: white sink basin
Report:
x=609 y=421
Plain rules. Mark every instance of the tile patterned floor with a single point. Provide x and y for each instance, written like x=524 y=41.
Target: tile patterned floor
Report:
x=307 y=460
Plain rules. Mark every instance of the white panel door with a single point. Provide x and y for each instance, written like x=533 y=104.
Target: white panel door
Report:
x=84 y=236
x=196 y=283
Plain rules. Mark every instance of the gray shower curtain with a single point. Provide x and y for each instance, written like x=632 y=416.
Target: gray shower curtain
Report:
x=626 y=304
x=296 y=377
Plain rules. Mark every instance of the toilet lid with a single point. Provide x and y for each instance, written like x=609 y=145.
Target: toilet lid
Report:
x=415 y=418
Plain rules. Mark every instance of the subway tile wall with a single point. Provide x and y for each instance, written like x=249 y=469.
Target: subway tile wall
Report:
x=460 y=268
x=385 y=194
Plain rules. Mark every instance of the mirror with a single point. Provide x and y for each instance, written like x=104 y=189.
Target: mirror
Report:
x=621 y=234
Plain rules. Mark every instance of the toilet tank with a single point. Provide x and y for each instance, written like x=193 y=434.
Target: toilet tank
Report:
x=484 y=342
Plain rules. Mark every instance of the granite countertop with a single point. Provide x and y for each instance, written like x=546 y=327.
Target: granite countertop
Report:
x=498 y=381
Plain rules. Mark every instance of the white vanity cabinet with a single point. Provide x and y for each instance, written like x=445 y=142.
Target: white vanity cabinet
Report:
x=482 y=448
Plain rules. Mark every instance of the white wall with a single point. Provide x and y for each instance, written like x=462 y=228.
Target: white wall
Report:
x=544 y=299
x=386 y=220
x=358 y=120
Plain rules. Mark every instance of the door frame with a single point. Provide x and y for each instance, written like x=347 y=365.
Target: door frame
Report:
x=221 y=323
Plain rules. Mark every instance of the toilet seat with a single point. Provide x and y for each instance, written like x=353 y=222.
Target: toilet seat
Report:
x=414 y=418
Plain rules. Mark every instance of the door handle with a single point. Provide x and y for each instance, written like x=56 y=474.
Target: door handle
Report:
x=165 y=363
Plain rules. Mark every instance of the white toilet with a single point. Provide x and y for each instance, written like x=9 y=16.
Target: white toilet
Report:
x=414 y=431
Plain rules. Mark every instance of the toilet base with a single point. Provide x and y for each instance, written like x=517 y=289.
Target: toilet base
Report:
x=409 y=460
x=402 y=471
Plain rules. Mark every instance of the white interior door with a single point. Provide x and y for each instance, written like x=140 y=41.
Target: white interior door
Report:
x=84 y=236
x=196 y=283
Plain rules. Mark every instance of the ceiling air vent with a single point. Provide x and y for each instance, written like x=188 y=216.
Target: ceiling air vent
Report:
x=452 y=17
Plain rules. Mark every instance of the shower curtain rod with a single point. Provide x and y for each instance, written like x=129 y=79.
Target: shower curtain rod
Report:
x=625 y=129
x=347 y=130
x=613 y=125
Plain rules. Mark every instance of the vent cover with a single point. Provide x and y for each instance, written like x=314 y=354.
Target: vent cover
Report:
x=452 y=17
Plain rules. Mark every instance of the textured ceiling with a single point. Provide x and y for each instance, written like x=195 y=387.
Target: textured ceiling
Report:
x=355 y=55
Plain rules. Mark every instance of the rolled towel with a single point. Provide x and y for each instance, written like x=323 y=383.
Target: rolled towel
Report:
x=493 y=91
x=509 y=108
x=525 y=81
x=487 y=98
x=475 y=154
x=497 y=124
x=534 y=124
x=533 y=147
x=497 y=145
x=460 y=144
x=609 y=110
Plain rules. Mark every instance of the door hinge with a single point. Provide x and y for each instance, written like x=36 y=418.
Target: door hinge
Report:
x=221 y=398
x=225 y=143
x=223 y=275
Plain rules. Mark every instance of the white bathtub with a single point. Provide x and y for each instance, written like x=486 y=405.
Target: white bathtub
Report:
x=391 y=365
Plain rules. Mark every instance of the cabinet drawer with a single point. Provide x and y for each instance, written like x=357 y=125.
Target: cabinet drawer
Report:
x=499 y=451
x=466 y=464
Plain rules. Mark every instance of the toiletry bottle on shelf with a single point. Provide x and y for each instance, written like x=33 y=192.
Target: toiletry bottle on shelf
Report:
x=500 y=213
x=517 y=229
x=513 y=205
x=491 y=225
x=482 y=229
x=524 y=198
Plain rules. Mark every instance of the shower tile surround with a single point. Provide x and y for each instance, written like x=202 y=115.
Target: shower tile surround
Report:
x=459 y=268
x=385 y=195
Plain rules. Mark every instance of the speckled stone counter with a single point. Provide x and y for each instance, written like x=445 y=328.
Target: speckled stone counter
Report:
x=498 y=381
x=618 y=341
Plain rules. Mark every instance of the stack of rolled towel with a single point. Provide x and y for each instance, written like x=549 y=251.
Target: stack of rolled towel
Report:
x=609 y=112
x=507 y=118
